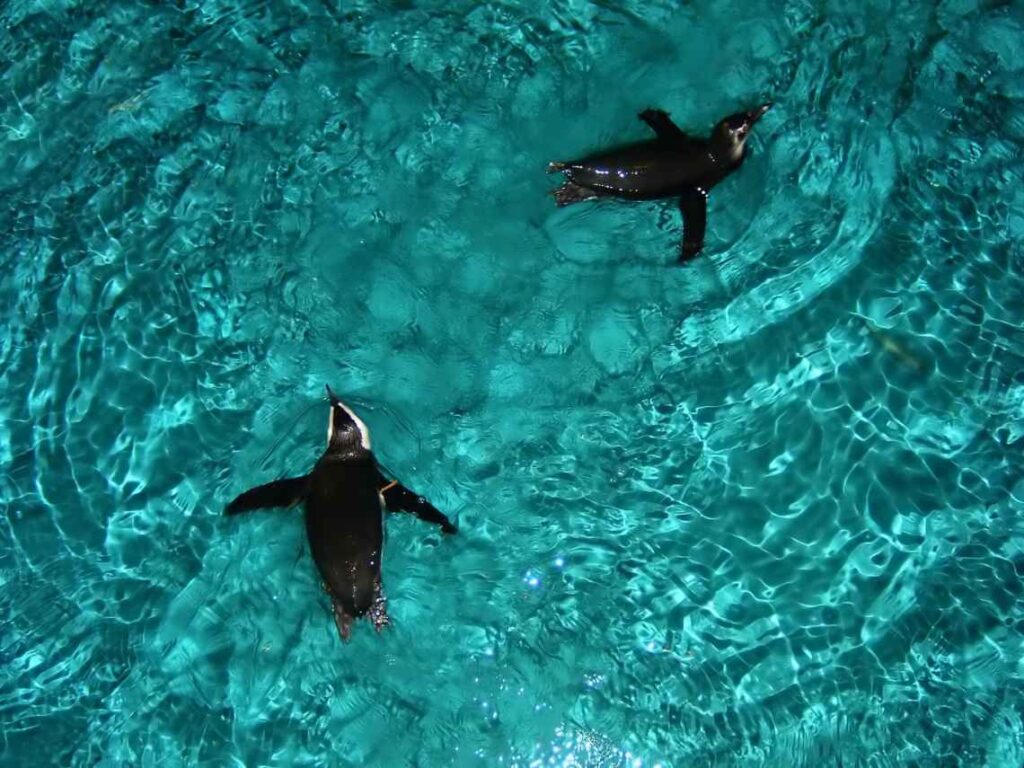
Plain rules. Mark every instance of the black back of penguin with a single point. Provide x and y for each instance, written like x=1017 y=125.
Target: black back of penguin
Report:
x=344 y=512
x=344 y=498
x=673 y=164
x=345 y=526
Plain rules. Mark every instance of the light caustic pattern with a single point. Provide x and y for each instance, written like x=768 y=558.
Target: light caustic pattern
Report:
x=763 y=510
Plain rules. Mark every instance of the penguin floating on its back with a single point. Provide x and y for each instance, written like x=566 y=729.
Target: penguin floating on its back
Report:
x=345 y=496
x=671 y=165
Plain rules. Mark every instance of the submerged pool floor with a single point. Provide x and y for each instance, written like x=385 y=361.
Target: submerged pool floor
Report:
x=761 y=510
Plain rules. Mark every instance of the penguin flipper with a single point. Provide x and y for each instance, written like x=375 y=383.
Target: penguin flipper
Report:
x=398 y=498
x=280 y=493
x=694 y=206
x=662 y=125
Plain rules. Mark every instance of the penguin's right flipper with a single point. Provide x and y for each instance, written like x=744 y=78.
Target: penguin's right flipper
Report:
x=280 y=493
x=398 y=498
x=662 y=125
x=694 y=207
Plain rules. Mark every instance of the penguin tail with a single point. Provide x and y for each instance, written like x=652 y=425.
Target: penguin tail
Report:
x=570 y=193
x=555 y=167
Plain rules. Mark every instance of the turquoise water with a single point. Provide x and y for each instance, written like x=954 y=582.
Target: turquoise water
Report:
x=764 y=510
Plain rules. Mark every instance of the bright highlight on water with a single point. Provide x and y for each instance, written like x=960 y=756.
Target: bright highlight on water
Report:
x=759 y=509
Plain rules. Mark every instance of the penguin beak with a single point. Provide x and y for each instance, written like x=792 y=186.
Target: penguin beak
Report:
x=335 y=400
x=757 y=113
x=744 y=121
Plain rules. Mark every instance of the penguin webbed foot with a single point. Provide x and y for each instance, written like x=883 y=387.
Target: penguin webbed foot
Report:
x=342 y=621
x=570 y=193
x=398 y=498
x=662 y=125
x=378 y=613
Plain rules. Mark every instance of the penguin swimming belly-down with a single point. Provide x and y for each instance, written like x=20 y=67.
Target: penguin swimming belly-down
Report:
x=671 y=165
x=345 y=496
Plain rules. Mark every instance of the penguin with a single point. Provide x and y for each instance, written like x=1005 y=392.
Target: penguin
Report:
x=344 y=497
x=671 y=165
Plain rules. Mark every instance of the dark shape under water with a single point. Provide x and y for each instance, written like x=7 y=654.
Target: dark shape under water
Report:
x=671 y=165
x=345 y=497
x=891 y=344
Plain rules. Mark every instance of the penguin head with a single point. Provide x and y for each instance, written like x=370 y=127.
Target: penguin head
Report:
x=732 y=132
x=346 y=432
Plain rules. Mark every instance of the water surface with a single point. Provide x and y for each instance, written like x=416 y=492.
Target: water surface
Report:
x=764 y=510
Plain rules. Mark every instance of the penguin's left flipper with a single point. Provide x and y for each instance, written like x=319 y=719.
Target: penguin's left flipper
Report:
x=280 y=493
x=694 y=207
x=398 y=498
x=662 y=125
